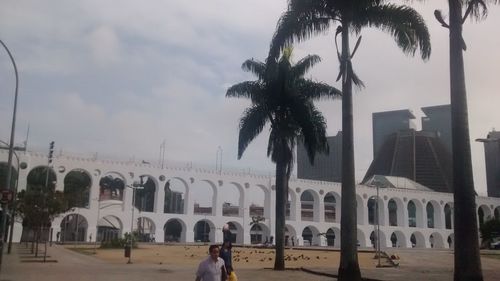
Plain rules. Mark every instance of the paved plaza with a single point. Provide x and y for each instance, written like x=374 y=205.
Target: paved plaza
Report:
x=73 y=266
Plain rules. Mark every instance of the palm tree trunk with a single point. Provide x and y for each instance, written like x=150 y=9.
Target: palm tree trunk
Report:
x=349 y=266
x=281 y=191
x=467 y=258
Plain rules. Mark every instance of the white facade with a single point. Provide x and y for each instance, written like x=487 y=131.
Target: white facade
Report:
x=118 y=213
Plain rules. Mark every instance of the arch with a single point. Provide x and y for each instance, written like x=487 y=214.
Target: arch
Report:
x=109 y=228
x=448 y=216
x=205 y=198
x=176 y=194
x=417 y=240
x=331 y=200
x=236 y=231
x=111 y=187
x=430 y=215
x=415 y=213
x=259 y=232
x=483 y=214
x=496 y=213
x=333 y=237
x=145 y=197
x=309 y=205
x=204 y=231
x=310 y=236
x=361 y=238
x=374 y=240
x=73 y=228
x=393 y=206
x=290 y=235
x=375 y=217
x=233 y=200
x=174 y=231
x=436 y=240
x=398 y=239
x=37 y=178
x=3 y=175
x=145 y=229
x=451 y=241
x=77 y=185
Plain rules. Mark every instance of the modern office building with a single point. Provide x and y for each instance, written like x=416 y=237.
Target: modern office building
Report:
x=326 y=167
x=389 y=122
x=423 y=156
x=438 y=119
x=492 y=159
x=416 y=155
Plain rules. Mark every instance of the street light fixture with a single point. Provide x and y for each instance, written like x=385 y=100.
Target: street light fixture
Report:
x=11 y=152
x=136 y=185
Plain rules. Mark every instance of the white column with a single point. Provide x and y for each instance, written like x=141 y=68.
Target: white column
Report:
x=321 y=211
x=160 y=199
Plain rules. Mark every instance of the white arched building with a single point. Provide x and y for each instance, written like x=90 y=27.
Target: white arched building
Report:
x=409 y=217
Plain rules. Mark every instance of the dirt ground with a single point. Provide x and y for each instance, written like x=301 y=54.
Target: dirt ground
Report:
x=191 y=255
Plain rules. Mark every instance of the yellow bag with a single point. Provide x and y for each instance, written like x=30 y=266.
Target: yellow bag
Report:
x=232 y=277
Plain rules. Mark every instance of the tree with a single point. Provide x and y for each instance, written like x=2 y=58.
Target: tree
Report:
x=282 y=98
x=467 y=259
x=305 y=18
x=38 y=206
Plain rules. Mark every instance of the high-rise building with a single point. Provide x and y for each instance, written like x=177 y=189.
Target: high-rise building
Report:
x=492 y=159
x=326 y=167
x=389 y=122
x=423 y=156
x=416 y=155
x=438 y=120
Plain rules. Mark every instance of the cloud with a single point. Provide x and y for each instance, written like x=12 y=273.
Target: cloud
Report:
x=119 y=81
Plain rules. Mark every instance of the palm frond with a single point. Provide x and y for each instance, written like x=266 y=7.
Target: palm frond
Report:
x=256 y=67
x=317 y=90
x=403 y=23
x=303 y=66
x=297 y=25
x=248 y=89
x=312 y=126
x=251 y=124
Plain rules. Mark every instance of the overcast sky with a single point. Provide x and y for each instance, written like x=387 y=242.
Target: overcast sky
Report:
x=119 y=77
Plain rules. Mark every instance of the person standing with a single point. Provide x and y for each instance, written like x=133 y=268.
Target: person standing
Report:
x=213 y=267
x=226 y=255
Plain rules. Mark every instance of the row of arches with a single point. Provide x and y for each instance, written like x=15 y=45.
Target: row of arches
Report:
x=394 y=212
x=74 y=227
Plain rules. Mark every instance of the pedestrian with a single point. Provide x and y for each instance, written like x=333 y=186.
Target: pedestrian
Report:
x=226 y=255
x=212 y=268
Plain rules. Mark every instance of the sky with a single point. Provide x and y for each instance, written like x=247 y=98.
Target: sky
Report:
x=118 y=80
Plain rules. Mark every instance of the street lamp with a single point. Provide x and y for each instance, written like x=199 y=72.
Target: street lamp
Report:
x=97 y=224
x=11 y=152
x=11 y=232
x=134 y=186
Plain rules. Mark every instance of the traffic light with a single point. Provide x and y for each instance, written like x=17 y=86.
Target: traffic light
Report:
x=51 y=151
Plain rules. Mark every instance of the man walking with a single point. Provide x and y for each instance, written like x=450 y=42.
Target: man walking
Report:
x=212 y=268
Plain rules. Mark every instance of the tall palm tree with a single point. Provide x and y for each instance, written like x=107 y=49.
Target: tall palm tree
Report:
x=467 y=258
x=282 y=98
x=305 y=18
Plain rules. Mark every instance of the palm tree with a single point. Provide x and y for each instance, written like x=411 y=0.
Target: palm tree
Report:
x=305 y=18
x=282 y=98
x=467 y=258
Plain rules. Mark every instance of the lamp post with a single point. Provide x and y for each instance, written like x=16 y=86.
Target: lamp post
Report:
x=11 y=152
x=11 y=232
x=97 y=224
x=134 y=186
